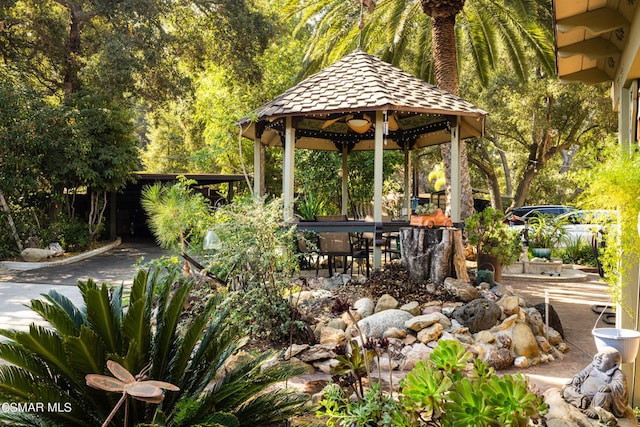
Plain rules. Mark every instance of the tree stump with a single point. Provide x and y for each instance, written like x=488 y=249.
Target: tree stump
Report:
x=432 y=254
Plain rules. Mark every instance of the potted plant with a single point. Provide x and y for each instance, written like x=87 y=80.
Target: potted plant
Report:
x=495 y=242
x=543 y=233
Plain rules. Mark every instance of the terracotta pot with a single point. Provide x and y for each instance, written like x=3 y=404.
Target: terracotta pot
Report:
x=490 y=262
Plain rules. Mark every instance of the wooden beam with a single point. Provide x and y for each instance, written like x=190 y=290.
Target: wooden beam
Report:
x=593 y=49
x=597 y=21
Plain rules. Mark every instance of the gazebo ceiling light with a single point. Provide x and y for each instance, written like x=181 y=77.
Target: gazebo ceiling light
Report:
x=361 y=123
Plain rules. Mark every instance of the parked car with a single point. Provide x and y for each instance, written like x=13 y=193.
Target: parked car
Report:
x=518 y=216
x=586 y=224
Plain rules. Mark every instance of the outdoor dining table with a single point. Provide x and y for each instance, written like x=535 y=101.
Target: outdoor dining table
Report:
x=378 y=229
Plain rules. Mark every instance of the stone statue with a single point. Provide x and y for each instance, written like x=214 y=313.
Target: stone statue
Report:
x=600 y=385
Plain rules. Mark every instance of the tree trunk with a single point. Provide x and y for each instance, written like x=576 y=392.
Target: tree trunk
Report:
x=492 y=179
x=445 y=69
x=12 y=225
x=432 y=254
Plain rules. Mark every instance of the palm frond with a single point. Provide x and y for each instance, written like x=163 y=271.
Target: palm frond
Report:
x=56 y=316
x=49 y=347
x=169 y=310
x=271 y=407
x=85 y=353
x=76 y=314
x=23 y=359
x=101 y=317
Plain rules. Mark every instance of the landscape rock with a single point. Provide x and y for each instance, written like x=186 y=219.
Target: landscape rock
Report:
x=332 y=336
x=376 y=324
x=478 y=315
x=430 y=333
x=326 y=365
x=56 y=248
x=510 y=304
x=395 y=333
x=413 y=307
x=36 y=254
x=499 y=358
x=317 y=352
x=386 y=302
x=461 y=289
x=521 y=362
x=364 y=307
x=386 y=364
x=554 y=319
x=414 y=353
x=524 y=342
x=294 y=350
x=563 y=414
x=337 y=324
x=418 y=323
x=485 y=337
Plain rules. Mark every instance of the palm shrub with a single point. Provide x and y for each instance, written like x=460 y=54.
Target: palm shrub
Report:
x=49 y=365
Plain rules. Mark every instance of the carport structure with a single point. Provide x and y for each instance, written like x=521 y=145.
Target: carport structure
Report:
x=362 y=103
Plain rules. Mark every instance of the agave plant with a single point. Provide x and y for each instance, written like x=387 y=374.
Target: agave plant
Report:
x=45 y=377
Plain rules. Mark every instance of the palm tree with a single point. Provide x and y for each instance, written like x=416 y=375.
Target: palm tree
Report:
x=426 y=37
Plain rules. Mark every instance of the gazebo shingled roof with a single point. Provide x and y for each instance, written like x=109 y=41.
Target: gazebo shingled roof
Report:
x=356 y=84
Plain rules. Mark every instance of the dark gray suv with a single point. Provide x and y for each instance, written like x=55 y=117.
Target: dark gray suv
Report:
x=519 y=215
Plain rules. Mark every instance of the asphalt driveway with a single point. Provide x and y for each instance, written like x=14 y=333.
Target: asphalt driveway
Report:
x=116 y=266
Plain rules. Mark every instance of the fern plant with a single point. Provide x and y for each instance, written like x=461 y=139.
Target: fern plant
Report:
x=49 y=365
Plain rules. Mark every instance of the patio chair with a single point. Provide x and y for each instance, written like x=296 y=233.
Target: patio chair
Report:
x=390 y=247
x=341 y=244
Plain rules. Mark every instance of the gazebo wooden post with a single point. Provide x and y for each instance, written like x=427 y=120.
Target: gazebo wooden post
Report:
x=407 y=183
x=288 y=168
x=377 y=185
x=258 y=168
x=455 y=172
x=345 y=181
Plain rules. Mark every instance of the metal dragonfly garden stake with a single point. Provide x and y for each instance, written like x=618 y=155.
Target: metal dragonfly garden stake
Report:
x=138 y=387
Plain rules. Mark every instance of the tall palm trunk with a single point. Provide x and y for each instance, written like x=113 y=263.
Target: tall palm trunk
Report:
x=445 y=64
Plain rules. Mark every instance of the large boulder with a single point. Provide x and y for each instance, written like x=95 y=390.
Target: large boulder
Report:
x=36 y=254
x=376 y=324
x=478 y=315
x=554 y=319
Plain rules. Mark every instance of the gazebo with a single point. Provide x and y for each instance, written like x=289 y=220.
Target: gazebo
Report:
x=362 y=103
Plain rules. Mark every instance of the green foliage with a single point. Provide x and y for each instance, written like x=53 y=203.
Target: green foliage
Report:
x=487 y=231
x=309 y=206
x=257 y=256
x=487 y=34
x=615 y=185
x=376 y=408
x=177 y=214
x=440 y=391
x=49 y=365
x=424 y=390
x=545 y=231
x=426 y=209
x=577 y=251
